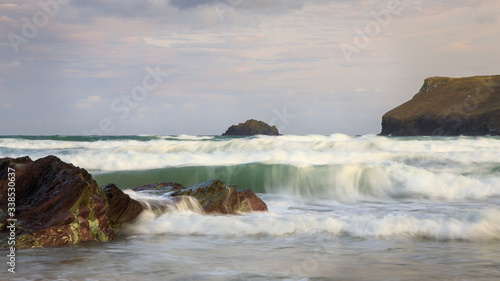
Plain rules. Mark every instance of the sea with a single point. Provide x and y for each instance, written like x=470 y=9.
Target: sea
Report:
x=340 y=208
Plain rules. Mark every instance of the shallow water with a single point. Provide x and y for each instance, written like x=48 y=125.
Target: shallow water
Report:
x=286 y=244
x=297 y=240
x=341 y=208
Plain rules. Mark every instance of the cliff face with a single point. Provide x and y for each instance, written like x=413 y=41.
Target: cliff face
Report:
x=251 y=127
x=448 y=107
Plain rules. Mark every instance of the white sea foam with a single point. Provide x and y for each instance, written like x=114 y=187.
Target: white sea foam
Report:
x=338 y=167
x=157 y=205
x=313 y=150
x=399 y=195
x=481 y=226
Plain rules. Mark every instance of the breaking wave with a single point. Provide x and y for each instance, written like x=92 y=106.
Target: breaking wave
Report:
x=480 y=226
x=338 y=167
x=365 y=186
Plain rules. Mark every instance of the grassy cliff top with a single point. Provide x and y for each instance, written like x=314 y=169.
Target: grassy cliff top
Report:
x=441 y=96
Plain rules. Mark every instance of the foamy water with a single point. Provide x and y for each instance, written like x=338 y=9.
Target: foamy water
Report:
x=341 y=208
x=300 y=151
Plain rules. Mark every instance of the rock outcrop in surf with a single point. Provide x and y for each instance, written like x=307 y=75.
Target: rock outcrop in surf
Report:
x=449 y=107
x=215 y=196
x=57 y=203
x=250 y=128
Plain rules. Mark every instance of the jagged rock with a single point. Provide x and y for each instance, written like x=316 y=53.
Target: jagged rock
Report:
x=159 y=188
x=121 y=208
x=60 y=204
x=251 y=127
x=215 y=196
x=56 y=203
x=450 y=107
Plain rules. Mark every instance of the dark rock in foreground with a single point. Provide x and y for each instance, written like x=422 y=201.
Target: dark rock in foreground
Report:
x=214 y=196
x=449 y=107
x=56 y=204
x=60 y=204
x=121 y=208
x=250 y=128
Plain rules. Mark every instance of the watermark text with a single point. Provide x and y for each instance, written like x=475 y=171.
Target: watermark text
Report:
x=31 y=27
x=11 y=212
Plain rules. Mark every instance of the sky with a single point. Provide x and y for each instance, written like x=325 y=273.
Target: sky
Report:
x=167 y=67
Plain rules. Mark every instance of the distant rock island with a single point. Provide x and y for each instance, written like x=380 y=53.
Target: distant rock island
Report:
x=448 y=107
x=251 y=127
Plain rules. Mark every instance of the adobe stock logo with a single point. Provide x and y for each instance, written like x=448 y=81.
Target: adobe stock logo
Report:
x=371 y=29
x=31 y=27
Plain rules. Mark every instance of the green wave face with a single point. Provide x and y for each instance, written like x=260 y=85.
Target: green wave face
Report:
x=343 y=183
x=337 y=167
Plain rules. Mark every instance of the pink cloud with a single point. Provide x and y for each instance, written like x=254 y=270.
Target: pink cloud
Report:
x=459 y=46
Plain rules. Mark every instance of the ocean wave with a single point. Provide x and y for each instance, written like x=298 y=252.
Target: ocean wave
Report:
x=339 y=167
x=314 y=150
x=343 y=183
x=482 y=226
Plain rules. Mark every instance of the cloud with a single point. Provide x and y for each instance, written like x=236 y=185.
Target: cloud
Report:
x=9 y=6
x=189 y=4
x=186 y=11
x=167 y=106
x=459 y=46
x=94 y=99
x=6 y=20
x=190 y=107
x=257 y=5
x=486 y=17
x=361 y=90
x=145 y=109
x=87 y=73
x=124 y=8
x=191 y=41
x=87 y=102
x=262 y=54
x=9 y=65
